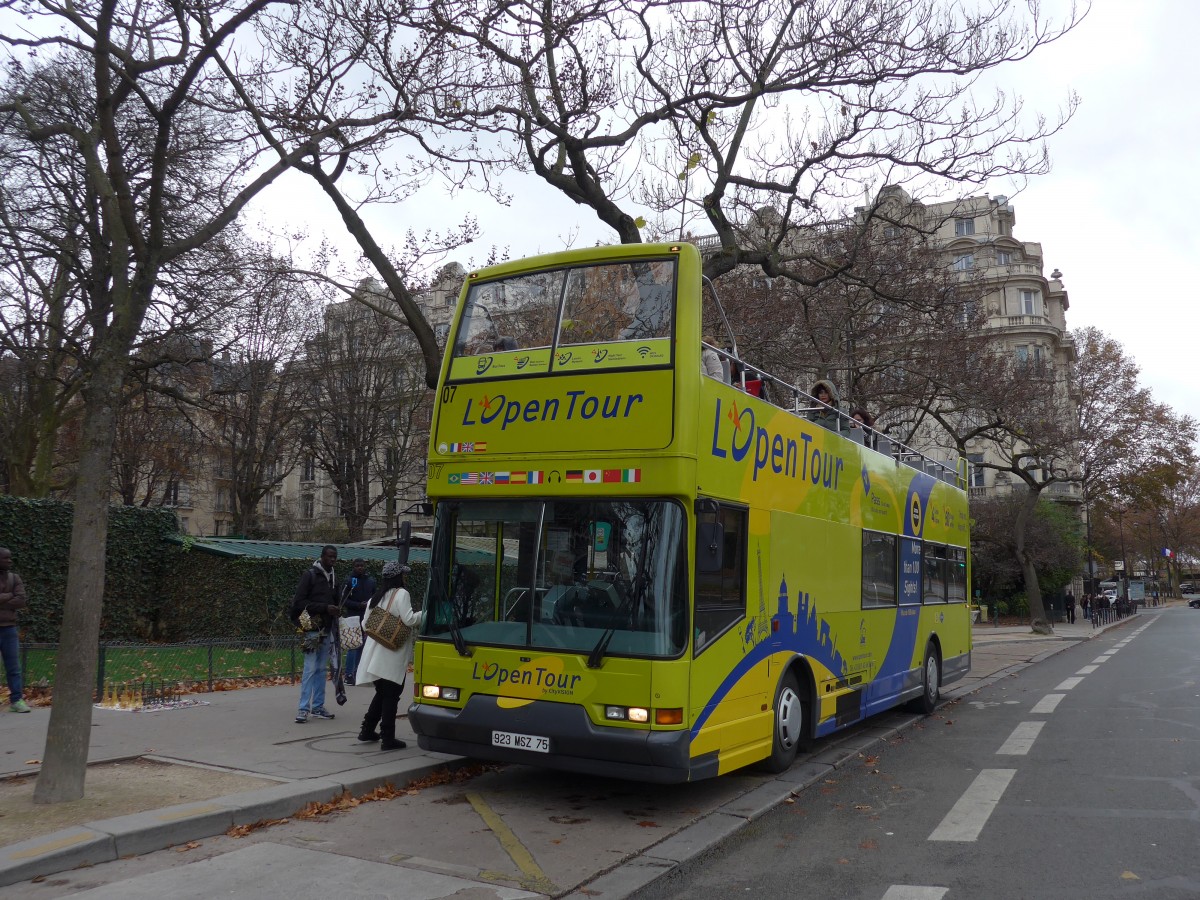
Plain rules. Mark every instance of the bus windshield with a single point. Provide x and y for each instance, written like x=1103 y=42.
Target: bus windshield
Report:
x=561 y=575
x=538 y=322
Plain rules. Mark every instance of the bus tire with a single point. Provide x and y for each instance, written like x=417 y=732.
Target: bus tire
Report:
x=931 y=683
x=787 y=727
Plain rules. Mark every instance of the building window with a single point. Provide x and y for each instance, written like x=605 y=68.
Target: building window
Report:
x=1029 y=303
x=309 y=469
x=1003 y=258
x=891 y=231
x=965 y=262
x=964 y=227
x=307 y=506
x=1022 y=353
x=977 y=471
x=183 y=525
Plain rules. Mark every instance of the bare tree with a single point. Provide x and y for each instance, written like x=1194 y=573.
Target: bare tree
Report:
x=261 y=390
x=368 y=424
x=802 y=108
x=123 y=91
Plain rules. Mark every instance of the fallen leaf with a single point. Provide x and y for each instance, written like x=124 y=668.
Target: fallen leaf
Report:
x=861 y=806
x=190 y=845
x=868 y=845
x=1129 y=876
x=33 y=762
x=647 y=824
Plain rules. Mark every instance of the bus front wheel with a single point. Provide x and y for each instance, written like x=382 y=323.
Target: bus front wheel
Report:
x=788 y=728
x=931 y=688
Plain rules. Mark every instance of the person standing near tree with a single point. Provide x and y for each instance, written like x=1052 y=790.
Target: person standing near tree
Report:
x=12 y=600
x=358 y=593
x=1069 y=606
x=315 y=611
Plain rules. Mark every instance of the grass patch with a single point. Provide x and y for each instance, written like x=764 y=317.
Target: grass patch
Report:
x=187 y=663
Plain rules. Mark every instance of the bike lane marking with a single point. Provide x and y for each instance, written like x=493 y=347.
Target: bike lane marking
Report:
x=914 y=892
x=972 y=810
x=1047 y=704
x=1021 y=740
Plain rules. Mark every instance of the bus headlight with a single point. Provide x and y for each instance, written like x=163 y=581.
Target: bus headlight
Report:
x=437 y=692
x=627 y=714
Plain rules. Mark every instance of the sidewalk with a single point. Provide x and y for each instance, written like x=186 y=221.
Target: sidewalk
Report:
x=248 y=738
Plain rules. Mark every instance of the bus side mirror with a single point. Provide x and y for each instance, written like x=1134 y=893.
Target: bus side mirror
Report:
x=710 y=547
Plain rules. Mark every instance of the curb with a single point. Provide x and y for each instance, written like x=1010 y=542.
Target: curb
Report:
x=106 y=840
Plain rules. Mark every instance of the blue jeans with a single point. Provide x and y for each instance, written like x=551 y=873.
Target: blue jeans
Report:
x=312 y=683
x=10 y=650
x=352 y=657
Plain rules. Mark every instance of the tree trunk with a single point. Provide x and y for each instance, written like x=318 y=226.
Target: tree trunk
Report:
x=1039 y=622
x=64 y=760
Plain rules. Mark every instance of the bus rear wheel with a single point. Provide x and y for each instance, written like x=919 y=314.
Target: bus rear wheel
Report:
x=788 y=728
x=931 y=688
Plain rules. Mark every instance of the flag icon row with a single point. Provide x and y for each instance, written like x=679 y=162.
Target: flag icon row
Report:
x=577 y=476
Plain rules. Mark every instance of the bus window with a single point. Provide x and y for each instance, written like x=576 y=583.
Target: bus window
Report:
x=934 y=568
x=720 y=595
x=618 y=302
x=956 y=575
x=878 y=569
x=523 y=308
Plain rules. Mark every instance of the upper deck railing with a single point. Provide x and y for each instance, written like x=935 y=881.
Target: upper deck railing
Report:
x=791 y=399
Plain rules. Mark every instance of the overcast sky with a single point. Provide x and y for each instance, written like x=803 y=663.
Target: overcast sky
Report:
x=1117 y=215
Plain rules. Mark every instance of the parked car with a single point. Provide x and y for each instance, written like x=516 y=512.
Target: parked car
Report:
x=1187 y=587
x=1194 y=603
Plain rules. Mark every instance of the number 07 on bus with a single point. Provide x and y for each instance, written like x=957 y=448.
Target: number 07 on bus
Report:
x=643 y=567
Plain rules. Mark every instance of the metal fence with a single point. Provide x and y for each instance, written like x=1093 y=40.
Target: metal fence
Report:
x=202 y=665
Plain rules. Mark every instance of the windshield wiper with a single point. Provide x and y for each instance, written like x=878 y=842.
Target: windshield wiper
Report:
x=596 y=657
x=456 y=636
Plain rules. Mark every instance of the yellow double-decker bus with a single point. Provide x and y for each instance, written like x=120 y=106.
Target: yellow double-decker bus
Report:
x=642 y=571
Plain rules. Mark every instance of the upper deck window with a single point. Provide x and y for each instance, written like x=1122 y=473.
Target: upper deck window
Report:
x=623 y=311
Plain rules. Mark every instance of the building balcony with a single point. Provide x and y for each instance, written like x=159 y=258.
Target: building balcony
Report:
x=1025 y=324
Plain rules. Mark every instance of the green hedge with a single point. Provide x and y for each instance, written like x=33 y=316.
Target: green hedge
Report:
x=209 y=596
x=38 y=532
x=155 y=589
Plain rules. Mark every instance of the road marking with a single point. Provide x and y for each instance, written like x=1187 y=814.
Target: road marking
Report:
x=914 y=892
x=1101 y=659
x=1021 y=740
x=968 y=816
x=1087 y=670
x=512 y=845
x=1048 y=703
x=1068 y=684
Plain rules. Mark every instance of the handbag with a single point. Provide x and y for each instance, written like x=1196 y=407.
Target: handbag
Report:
x=350 y=632
x=386 y=628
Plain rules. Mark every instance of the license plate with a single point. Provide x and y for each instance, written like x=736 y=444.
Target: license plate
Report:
x=521 y=741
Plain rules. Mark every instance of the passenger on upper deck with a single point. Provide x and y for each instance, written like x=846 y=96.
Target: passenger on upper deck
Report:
x=827 y=415
x=710 y=361
x=860 y=417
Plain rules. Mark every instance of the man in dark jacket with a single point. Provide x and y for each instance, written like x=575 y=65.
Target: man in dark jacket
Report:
x=12 y=598
x=316 y=597
x=354 y=603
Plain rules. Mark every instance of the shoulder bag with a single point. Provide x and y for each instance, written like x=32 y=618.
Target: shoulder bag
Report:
x=386 y=628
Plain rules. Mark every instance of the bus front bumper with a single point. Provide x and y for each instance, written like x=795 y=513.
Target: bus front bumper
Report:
x=576 y=743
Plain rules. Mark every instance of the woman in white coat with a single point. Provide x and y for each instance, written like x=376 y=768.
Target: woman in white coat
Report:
x=385 y=668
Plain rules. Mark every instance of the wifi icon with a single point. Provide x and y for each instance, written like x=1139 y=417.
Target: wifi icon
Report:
x=643 y=351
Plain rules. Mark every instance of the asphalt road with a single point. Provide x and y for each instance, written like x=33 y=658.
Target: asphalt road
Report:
x=1075 y=779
